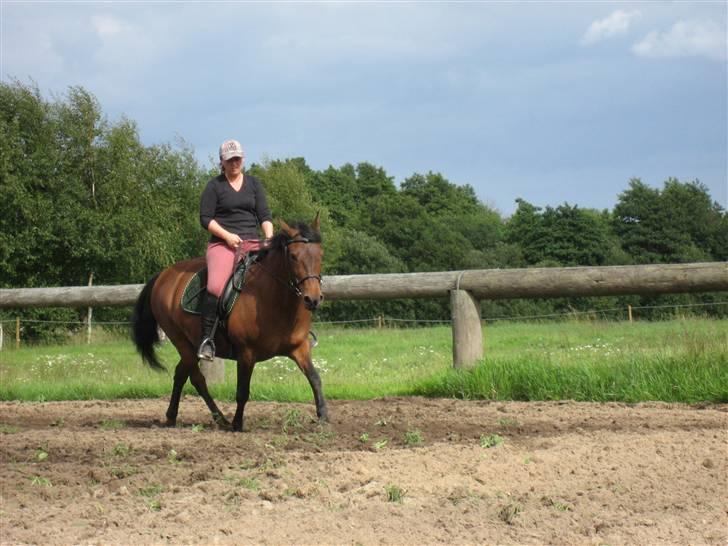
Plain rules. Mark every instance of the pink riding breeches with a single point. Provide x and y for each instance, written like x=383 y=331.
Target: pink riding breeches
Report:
x=220 y=259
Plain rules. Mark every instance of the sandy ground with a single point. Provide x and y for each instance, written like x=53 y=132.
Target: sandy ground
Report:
x=390 y=471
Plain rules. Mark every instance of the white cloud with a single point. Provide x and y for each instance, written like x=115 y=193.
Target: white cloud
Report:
x=617 y=23
x=108 y=26
x=685 y=39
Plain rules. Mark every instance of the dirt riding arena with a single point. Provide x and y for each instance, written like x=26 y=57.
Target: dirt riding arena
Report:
x=392 y=471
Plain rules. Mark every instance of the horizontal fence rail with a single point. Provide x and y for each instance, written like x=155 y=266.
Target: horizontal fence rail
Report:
x=481 y=283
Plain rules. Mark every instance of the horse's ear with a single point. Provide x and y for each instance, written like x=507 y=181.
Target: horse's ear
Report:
x=316 y=221
x=286 y=228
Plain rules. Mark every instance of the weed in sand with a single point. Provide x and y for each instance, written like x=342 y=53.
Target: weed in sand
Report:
x=249 y=483
x=508 y=422
x=122 y=471
x=292 y=420
x=364 y=438
x=41 y=455
x=40 y=481
x=151 y=490
x=509 y=512
x=413 y=438
x=490 y=440
x=8 y=429
x=112 y=424
x=173 y=457
x=121 y=450
x=395 y=493
x=381 y=444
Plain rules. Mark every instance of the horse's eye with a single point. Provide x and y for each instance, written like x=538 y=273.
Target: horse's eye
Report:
x=294 y=257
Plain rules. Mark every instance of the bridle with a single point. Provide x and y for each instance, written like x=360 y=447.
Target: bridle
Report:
x=293 y=283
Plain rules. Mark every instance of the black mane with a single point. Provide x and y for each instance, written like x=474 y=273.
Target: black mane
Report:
x=280 y=239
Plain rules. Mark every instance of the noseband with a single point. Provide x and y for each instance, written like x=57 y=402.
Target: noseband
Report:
x=293 y=282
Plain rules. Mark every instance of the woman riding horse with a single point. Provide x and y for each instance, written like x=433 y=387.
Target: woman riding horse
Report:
x=231 y=207
x=272 y=317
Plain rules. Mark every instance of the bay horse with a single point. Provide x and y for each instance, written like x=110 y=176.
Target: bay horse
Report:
x=272 y=317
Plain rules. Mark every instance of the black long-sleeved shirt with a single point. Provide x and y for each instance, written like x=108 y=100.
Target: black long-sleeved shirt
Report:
x=238 y=212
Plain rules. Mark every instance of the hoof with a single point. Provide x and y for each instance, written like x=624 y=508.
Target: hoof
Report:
x=170 y=423
x=220 y=421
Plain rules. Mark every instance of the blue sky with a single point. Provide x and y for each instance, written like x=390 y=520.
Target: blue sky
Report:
x=551 y=102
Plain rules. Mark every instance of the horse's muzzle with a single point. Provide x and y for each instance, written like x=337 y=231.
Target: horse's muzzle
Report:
x=312 y=303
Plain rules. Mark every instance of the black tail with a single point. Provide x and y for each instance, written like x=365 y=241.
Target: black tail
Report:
x=145 y=333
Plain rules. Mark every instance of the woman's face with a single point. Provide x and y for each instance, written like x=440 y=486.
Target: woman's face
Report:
x=232 y=166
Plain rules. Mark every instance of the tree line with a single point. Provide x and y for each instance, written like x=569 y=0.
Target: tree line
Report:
x=82 y=196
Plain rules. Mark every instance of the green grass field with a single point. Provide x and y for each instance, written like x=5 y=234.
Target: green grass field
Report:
x=676 y=361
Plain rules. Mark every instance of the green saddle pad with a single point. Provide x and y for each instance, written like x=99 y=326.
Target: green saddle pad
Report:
x=192 y=296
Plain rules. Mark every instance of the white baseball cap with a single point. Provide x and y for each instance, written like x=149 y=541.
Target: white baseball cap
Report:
x=230 y=149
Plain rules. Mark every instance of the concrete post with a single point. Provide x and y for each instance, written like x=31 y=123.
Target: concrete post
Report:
x=467 y=334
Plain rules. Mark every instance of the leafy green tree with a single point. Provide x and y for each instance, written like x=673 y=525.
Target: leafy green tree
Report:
x=83 y=196
x=676 y=224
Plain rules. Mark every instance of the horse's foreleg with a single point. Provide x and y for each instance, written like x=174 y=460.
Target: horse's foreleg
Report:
x=198 y=380
x=302 y=357
x=245 y=371
x=181 y=374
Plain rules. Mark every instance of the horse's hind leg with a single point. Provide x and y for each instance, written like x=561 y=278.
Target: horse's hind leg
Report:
x=181 y=374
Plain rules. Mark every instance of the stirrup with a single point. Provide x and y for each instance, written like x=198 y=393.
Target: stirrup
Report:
x=207 y=349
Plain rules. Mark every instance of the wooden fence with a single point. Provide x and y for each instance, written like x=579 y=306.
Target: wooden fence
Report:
x=464 y=288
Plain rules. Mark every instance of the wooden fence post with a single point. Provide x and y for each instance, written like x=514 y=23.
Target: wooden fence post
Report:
x=90 y=313
x=629 y=312
x=467 y=333
x=17 y=332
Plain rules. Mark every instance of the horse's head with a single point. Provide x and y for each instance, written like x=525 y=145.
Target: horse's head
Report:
x=302 y=246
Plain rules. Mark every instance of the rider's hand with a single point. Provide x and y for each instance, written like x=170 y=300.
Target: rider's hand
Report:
x=265 y=243
x=233 y=241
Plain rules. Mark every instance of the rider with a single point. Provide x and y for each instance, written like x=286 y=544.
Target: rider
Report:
x=232 y=206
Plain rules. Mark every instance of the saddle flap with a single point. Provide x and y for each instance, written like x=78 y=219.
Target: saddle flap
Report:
x=196 y=286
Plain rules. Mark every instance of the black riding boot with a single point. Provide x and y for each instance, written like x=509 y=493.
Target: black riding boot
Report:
x=208 y=308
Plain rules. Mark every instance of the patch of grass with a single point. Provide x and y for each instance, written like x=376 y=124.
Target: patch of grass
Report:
x=322 y=436
x=154 y=505
x=395 y=493
x=112 y=424
x=364 y=437
x=121 y=450
x=413 y=438
x=40 y=481
x=292 y=419
x=682 y=360
x=173 y=457
x=381 y=444
x=198 y=428
x=122 y=471
x=508 y=512
x=249 y=483
x=8 y=429
x=490 y=440
x=151 y=490
x=41 y=455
